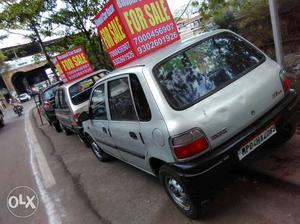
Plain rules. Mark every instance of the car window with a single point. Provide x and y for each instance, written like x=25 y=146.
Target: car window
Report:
x=49 y=94
x=62 y=100
x=141 y=103
x=81 y=91
x=120 y=101
x=98 y=103
x=57 y=102
x=205 y=68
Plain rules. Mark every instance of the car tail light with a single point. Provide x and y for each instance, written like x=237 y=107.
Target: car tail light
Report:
x=76 y=117
x=189 y=144
x=48 y=105
x=286 y=83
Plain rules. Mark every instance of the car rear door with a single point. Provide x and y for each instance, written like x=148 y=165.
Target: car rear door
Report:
x=99 y=121
x=64 y=113
x=124 y=124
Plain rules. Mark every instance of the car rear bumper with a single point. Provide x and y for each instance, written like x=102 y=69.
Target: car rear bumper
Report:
x=224 y=156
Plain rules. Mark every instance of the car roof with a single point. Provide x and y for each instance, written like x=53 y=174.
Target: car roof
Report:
x=154 y=58
x=51 y=86
x=67 y=85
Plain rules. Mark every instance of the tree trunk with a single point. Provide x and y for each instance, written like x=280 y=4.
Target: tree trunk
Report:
x=34 y=28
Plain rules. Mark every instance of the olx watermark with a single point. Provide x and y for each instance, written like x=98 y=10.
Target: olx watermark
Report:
x=22 y=202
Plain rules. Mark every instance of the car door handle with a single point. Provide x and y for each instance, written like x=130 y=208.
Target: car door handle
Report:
x=104 y=130
x=133 y=135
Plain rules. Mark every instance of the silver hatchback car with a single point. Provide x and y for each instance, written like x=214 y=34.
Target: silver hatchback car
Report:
x=189 y=110
x=72 y=99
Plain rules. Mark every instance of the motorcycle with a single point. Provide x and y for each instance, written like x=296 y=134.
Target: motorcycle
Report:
x=18 y=109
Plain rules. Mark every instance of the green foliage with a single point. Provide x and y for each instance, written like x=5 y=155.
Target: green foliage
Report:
x=23 y=14
x=26 y=15
x=3 y=66
x=74 y=22
x=226 y=13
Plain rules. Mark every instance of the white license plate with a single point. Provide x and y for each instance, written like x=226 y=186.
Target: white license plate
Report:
x=256 y=142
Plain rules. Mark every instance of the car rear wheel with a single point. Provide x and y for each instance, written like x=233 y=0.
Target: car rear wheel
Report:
x=65 y=130
x=57 y=126
x=177 y=190
x=1 y=123
x=99 y=153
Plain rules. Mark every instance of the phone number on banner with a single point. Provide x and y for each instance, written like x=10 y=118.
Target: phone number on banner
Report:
x=157 y=42
x=153 y=34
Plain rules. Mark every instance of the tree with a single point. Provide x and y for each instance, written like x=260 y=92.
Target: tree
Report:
x=2 y=60
x=74 y=20
x=227 y=13
x=27 y=15
x=187 y=11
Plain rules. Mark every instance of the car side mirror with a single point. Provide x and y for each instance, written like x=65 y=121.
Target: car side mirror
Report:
x=84 y=116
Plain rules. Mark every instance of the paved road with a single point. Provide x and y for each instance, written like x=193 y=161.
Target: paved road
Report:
x=15 y=166
x=24 y=163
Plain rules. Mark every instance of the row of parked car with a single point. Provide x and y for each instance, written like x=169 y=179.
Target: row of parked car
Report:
x=183 y=113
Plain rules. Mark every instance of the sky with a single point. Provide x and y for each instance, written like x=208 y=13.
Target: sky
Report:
x=18 y=39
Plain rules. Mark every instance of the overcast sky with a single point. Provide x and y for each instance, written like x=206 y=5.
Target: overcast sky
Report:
x=17 y=39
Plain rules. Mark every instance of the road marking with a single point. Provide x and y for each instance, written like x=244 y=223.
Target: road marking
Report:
x=45 y=170
x=42 y=173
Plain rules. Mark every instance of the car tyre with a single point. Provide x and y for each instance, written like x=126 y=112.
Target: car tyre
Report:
x=99 y=153
x=179 y=193
x=57 y=126
x=65 y=130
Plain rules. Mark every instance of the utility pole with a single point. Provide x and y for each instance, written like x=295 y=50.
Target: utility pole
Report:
x=276 y=31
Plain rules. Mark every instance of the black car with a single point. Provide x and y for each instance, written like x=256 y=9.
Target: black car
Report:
x=48 y=103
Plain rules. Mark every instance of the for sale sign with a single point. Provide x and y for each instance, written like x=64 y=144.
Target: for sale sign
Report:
x=130 y=29
x=72 y=64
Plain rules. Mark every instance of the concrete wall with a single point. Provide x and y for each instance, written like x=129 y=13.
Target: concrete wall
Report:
x=7 y=77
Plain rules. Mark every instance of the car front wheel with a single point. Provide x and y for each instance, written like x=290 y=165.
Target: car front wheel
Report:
x=178 y=192
x=99 y=153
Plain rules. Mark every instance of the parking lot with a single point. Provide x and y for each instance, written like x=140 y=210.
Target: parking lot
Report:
x=115 y=192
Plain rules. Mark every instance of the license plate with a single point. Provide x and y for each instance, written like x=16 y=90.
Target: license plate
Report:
x=256 y=142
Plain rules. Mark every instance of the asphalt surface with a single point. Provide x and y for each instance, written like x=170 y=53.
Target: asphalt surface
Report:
x=24 y=162
x=15 y=166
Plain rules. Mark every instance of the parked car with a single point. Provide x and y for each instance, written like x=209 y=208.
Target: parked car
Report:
x=190 y=110
x=47 y=104
x=1 y=119
x=24 y=97
x=72 y=99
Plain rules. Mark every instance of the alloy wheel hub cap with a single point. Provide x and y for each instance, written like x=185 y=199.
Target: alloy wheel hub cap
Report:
x=178 y=194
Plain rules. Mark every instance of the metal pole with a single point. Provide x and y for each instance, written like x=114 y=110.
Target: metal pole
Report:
x=38 y=109
x=276 y=31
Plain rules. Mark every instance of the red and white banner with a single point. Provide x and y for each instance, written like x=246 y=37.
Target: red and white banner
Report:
x=130 y=29
x=72 y=64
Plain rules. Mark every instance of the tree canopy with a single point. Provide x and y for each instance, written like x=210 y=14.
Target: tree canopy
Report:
x=74 y=22
x=26 y=15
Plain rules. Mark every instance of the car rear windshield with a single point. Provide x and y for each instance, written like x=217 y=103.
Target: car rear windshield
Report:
x=80 y=92
x=206 y=67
